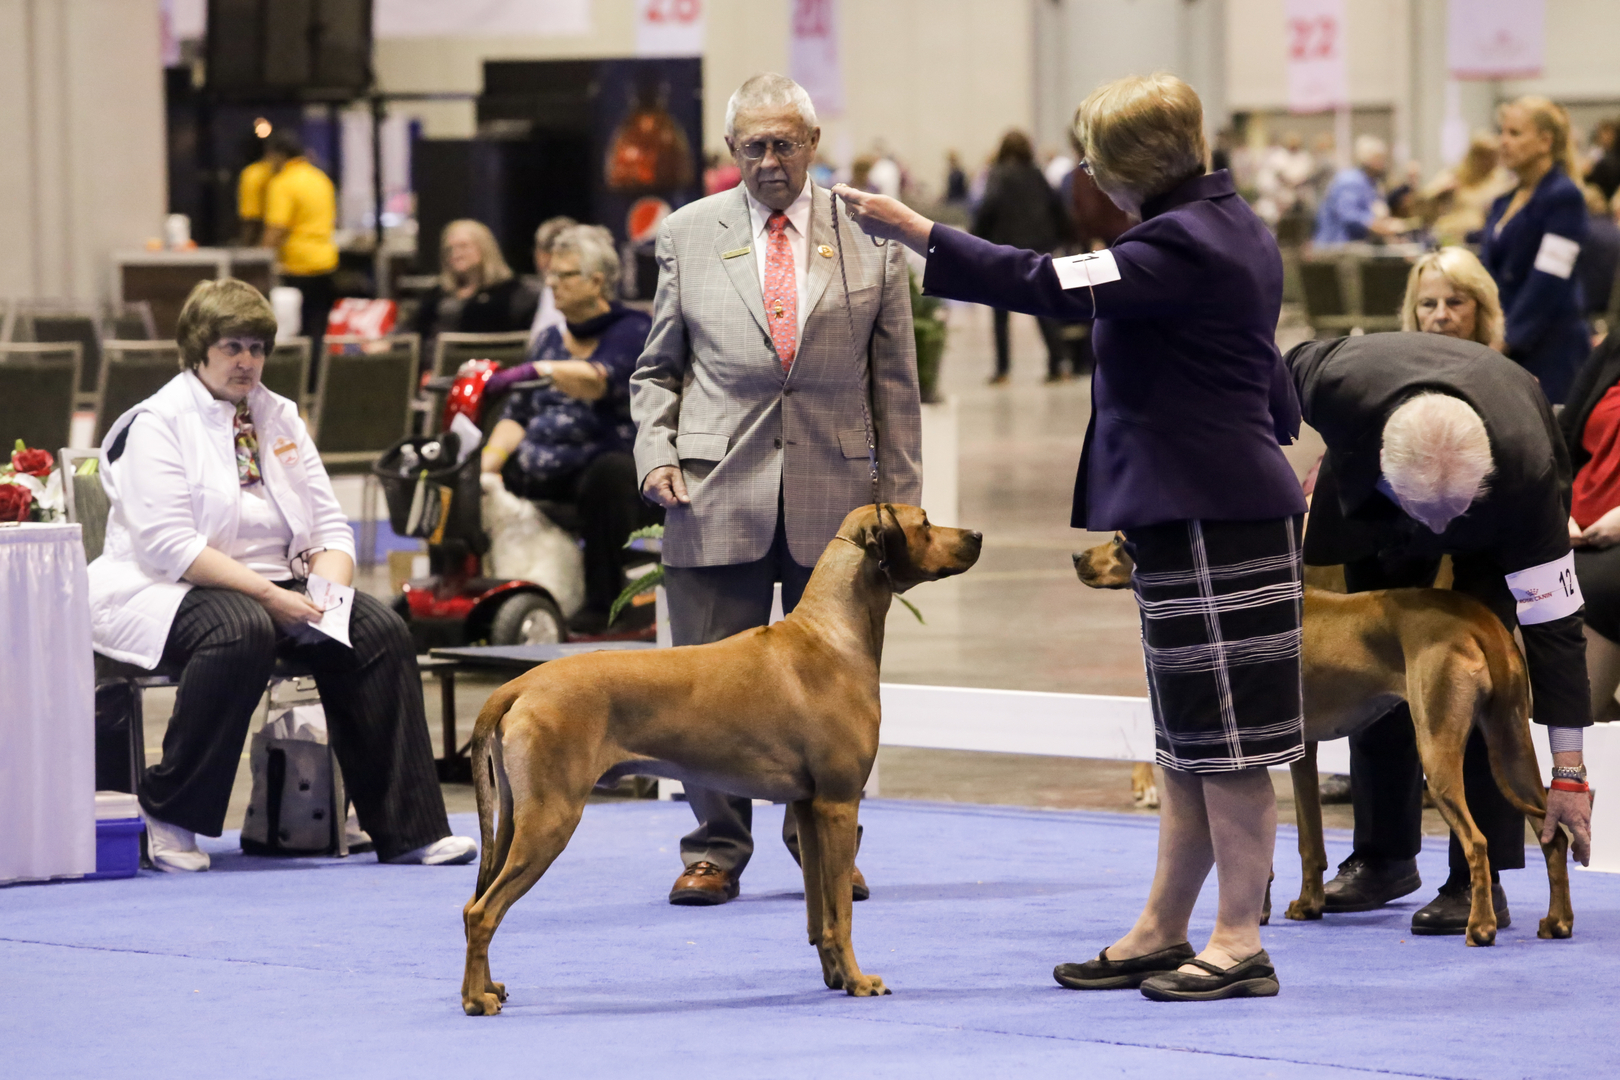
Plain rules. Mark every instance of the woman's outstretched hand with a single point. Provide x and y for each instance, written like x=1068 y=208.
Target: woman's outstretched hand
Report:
x=885 y=218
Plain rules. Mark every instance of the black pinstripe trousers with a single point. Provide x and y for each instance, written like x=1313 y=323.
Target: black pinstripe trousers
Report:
x=224 y=646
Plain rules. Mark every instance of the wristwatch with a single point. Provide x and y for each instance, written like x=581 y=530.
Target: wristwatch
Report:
x=1570 y=772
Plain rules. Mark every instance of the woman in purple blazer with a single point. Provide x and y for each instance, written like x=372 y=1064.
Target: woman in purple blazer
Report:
x=1190 y=403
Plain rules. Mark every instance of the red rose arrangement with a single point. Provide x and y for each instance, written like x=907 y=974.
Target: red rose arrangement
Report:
x=16 y=502
x=30 y=487
x=33 y=462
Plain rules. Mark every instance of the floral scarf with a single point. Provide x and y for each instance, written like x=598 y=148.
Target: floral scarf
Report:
x=247 y=446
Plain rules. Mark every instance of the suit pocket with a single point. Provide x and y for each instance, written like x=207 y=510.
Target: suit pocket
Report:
x=701 y=446
x=853 y=443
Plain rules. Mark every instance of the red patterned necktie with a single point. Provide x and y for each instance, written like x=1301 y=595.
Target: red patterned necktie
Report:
x=781 y=290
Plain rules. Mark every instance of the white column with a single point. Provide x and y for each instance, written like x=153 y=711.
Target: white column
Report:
x=81 y=118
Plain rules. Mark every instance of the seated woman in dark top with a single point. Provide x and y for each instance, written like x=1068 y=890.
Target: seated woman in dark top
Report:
x=476 y=293
x=570 y=442
x=1591 y=426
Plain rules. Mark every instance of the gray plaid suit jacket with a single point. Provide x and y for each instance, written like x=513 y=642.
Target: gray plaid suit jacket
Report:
x=710 y=396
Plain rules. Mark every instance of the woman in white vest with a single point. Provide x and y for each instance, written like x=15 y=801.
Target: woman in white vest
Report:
x=221 y=510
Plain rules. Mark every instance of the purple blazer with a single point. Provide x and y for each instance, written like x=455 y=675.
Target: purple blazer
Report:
x=1190 y=400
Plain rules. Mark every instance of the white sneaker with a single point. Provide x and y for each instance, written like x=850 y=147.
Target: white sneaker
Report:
x=450 y=851
x=359 y=841
x=173 y=849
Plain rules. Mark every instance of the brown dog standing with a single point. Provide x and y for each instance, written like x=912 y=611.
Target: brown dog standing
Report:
x=787 y=712
x=1455 y=664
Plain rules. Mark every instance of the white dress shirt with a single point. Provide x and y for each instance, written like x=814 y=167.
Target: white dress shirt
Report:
x=798 y=238
x=262 y=535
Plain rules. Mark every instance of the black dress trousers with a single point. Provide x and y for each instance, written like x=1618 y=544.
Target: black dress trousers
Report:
x=224 y=645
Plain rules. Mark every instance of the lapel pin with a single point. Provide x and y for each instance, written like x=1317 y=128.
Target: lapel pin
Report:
x=826 y=251
x=734 y=253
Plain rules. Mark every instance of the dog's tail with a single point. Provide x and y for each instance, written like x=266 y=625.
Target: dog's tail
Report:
x=493 y=789
x=1506 y=725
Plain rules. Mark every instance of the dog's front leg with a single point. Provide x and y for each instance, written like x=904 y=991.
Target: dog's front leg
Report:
x=814 y=897
x=835 y=828
x=1312 y=850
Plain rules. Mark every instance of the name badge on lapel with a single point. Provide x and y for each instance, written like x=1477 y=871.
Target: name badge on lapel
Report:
x=286 y=452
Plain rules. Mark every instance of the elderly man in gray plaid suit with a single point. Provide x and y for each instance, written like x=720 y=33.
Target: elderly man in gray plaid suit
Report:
x=747 y=402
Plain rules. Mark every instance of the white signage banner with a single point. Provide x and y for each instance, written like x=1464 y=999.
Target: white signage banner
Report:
x=813 y=57
x=669 y=27
x=480 y=18
x=1317 y=75
x=1496 y=39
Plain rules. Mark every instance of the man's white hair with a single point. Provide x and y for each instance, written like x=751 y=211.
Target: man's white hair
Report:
x=769 y=91
x=1436 y=452
x=1369 y=147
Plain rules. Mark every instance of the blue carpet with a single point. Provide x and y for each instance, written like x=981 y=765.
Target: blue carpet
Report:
x=349 y=969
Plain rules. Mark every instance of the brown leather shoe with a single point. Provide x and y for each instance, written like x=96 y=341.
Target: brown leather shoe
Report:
x=703 y=884
x=857 y=884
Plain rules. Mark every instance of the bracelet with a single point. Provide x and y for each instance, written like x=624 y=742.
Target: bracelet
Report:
x=1579 y=787
x=1569 y=772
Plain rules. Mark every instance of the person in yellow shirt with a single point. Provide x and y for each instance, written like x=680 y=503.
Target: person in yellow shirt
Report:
x=250 y=187
x=300 y=210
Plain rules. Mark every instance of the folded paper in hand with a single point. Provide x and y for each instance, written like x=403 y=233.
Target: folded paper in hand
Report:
x=338 y=603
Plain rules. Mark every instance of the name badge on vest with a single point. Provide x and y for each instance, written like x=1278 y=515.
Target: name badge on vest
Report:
x=286 y=452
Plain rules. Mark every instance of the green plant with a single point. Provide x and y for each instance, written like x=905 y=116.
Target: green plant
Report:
x=650 y=580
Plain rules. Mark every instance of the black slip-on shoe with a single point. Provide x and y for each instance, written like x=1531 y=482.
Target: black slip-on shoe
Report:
x=1254 y=977
x=1363 y=884
x=1448 y=912
x=1105 y=974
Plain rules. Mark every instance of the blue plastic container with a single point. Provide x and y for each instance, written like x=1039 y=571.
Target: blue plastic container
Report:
x=118 y=848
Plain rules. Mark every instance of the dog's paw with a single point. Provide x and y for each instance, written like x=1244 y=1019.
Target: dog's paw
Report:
x=1482 y=935
x=481 y=1005
x=866 y=986
x=498 y=989
x=1552 y=928
x=1301 y=912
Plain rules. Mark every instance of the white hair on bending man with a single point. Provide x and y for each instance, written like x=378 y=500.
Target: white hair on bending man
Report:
x=769 y=91
x=1371 y=153
x=1436 y=458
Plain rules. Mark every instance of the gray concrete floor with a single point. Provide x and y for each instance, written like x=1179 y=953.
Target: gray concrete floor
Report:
x=1018 y=620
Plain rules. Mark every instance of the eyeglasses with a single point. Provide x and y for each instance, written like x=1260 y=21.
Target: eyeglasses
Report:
x=563 y=275
x=781 y=148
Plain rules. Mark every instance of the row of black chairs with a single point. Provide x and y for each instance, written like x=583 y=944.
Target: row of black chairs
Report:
x=46 y=322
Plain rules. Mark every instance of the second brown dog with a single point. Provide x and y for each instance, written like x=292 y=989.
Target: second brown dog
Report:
x=1455 y=664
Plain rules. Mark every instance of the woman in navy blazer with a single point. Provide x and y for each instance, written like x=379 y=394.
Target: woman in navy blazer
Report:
x=1190 y=402
x=1532 y=236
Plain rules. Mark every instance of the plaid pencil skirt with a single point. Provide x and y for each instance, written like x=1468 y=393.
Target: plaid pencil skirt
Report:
x=1221 y=607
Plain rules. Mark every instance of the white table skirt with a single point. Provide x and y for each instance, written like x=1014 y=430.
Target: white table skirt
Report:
x=47 y=706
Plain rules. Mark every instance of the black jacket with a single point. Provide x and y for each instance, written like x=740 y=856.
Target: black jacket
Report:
x=504 y=307
x=1600 y=372
x=1347 y=390
x=1020 y=209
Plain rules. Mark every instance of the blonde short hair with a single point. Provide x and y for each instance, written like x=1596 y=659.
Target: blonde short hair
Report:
x=1463 y=271
x=1435 y=452
x=492 y=268
x=1145 y=135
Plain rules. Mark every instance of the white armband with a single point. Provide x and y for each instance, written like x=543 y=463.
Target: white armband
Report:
x=1546 y=592
x=1092 y=268
x=1557 y=255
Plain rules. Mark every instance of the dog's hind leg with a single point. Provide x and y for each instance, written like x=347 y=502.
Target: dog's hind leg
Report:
x=540 y=832
x=1443 y=710
x=1312 y=851
x=835 y=831
x=1513 y=765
